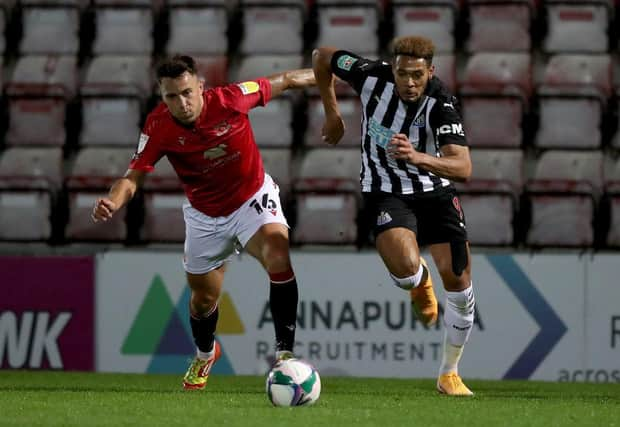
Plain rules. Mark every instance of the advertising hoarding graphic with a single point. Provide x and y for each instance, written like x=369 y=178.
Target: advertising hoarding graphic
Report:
x=551 y=326
x=47 y=317
x=161 y=329
x=544 y=317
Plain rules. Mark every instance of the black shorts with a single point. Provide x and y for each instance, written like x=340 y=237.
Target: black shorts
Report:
x=435 y=217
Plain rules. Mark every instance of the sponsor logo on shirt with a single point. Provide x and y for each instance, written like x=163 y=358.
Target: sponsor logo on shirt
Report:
x=222 y=128
x=454 y=128
x=248 y=87
x=345 y=62
x=379 y=134
x=215 y=152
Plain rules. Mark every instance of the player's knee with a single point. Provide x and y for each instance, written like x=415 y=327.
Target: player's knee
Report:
x=203 y=303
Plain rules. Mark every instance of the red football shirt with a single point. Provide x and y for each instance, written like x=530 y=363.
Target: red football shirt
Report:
x=217 y=158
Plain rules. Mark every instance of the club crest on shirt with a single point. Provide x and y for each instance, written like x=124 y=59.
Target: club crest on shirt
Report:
x=215 y=152
x=222 y=128
x=248 y=87
x=420 y=121
x=346 y=62
x=181 y=140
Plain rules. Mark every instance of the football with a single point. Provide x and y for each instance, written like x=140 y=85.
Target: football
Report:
x=293 y=382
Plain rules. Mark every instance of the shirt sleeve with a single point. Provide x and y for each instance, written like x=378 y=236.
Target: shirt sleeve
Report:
x=446 y=122
x=244 y=96
x=149 y=150
x=351 y=68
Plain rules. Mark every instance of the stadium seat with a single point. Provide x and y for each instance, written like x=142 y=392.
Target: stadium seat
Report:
x=198 y=30
x=495 y=94
x=562 y=195
x=50 y=30
x=351 y=111
x=122 y=31
x=254 y=66
x=213 y=69
x=434 y=20
x=351 y=28
x=326 y=191
x=445 y=69
x=114 y=92
x=272 y=30
x=572 y=99
x=163 y=205
x=612 y=192
x=490 y=198
x=29 y=181
x=38 y=92
x=277 y=162
x=487 y=17
x=93 y=171
x=577 y=26
x=271 y=124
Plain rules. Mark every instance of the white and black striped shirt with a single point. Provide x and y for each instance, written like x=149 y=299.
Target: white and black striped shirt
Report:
x=430 y=123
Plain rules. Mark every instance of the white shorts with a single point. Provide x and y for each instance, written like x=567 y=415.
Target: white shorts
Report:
x=210 y=241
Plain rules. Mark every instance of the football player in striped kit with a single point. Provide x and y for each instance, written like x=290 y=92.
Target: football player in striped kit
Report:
x=413 y=146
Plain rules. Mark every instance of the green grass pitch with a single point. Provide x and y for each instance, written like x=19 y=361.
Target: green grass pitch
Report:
x=86 y=399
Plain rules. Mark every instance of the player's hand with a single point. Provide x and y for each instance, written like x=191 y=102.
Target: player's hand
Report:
x=400 y=148
x=333 y=129
x=103 y=210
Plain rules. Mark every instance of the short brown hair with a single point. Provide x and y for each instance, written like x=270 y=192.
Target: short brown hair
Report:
x=418 y=47
x=175 y=66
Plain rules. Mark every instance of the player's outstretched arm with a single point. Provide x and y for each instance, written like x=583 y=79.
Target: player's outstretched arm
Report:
x=292 y=79
x=333 y=129
x=121 y=192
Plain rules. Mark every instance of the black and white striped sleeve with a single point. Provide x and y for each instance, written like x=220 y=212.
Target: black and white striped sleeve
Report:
x=351 y=68
x=445 y=120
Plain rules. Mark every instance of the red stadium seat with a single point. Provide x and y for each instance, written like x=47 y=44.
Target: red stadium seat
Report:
x=562 y=196
x=271 y=124
x=351 y=28
x=163 y=205
x=29 y=181
x=495 y=95
x=612 y=191
x=213 y=69
x=573 y=97
x=326 y=191
x=490 y=198
x=121 y=31
x=272 y=30
x=50 y=30
x=114 y=92
x=38 y=94
x=198 y=29
x=577 y=26
x=499 y=26
x=93 y=171
x=277 y=162
x=351 y=111
x=434 y=20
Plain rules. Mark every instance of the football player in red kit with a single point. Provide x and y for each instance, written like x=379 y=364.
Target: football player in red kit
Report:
x=208 y=139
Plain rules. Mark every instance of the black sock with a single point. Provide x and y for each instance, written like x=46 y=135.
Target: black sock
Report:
x=283 y=298
x=203 y=330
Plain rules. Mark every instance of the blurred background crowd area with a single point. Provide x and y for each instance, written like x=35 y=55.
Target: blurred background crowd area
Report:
x=538 y=83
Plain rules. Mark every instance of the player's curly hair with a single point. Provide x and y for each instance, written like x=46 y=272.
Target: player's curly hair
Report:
x=175 y=66
x=418 y=47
